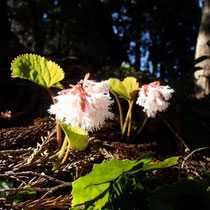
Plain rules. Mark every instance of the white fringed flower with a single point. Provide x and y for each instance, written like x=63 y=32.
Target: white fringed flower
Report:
x=85 y=105
x=153 y=98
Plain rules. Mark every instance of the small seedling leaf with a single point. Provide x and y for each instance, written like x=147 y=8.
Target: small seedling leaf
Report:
x=77 y=137
x=126 y=89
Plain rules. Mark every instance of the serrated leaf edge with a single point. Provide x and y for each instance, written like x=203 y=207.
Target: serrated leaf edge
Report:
x=36 y=56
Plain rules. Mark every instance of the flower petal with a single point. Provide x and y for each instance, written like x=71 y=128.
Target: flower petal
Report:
x=153 y=98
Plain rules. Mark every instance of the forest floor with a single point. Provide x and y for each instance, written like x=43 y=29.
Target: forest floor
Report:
x=28 y=151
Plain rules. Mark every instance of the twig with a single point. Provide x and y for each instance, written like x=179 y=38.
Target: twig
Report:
x=37 y=189
x=142 y=126
x=67 y=184
x=6 y=152
x=194 y=151
x=31 y=173
x=13 y=177
x=187 y=150
x=57 y=202
x=40 y=148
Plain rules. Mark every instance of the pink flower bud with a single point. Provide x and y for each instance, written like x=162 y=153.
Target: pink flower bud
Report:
x=86 y=104
x=153 y=98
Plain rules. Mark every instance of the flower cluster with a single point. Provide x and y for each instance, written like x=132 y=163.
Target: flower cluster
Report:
x=153 y=98
x=85 y=105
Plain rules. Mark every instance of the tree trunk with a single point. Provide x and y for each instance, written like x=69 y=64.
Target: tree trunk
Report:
x=202 y=49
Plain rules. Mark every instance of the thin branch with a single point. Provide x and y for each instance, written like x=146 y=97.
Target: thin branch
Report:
x=193 y=152
x=40 y=147
x=31 y=173
x=18 y=151
x=37 y=189
x=67 y=184
x=175 y=133
x=142 y=126
x=57 y=202
x=12 y=177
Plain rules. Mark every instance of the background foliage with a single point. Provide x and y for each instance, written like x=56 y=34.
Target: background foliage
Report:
x=155 y=36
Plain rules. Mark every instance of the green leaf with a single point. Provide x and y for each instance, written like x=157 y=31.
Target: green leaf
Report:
x=113 y=84
x=106 y=181
x=77 y=137
x=116 y=86
x=141 y=162
x=109 y=180
x=126 y=89
x=131 y=85
x=100 y=203
x=58 y=85
x=89 y=193
x=118 y=167
x=158 y=165
x=38 y=70
x=100 y=176
x=24 y=195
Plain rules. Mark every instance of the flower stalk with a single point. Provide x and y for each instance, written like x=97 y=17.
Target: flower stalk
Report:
x=120 y=109
x=128 y=120
x=142 y=126
x=61 y=153
x=58 y=127
x=67 y=153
